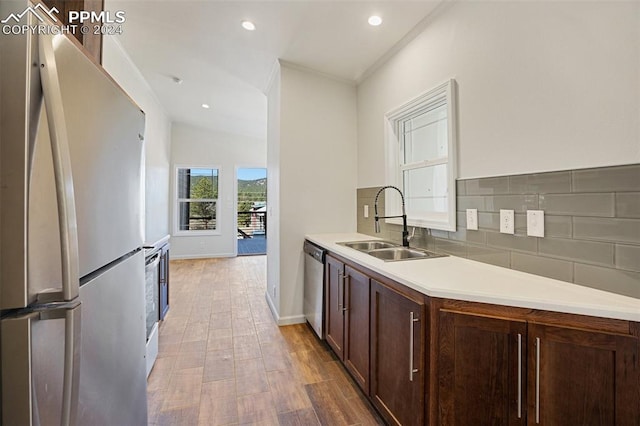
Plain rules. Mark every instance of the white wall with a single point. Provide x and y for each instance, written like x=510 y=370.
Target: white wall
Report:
x=541 y=86
x=157 y=143
x=192 y=146
x=273 y=190
x=315 y=157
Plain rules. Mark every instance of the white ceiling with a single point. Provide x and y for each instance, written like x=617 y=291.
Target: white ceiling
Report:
x=227 y=67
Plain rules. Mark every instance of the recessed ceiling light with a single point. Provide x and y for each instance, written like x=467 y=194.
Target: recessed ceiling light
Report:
x=375 y=20
x=248 y=25
x=205 y=106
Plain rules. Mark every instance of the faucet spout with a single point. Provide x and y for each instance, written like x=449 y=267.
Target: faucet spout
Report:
x=405 y=231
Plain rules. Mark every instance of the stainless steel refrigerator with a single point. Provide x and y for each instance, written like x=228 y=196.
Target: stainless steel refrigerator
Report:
x=72 y=325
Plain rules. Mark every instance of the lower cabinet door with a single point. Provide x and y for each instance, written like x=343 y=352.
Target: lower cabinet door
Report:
x=482 y=370
x=579 y=377
x=334 y=303
x=397 y=356
x=356 y=342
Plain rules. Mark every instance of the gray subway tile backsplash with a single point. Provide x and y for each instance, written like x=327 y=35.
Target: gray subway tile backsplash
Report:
x=605 y=229
x=605 y=179
x=592 y=225
x=488 y=186
x=580 y=251
x=540 y=183
x=628 y=257
x=628 y=204
x=519 y=203
x=614 y=280
x=544 y=266
x=590 y=204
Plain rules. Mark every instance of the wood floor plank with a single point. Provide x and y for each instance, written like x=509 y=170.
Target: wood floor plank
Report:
x=219 y=365
x=251 y=377
x=224 y=361
x=218 y=403
x=256 y=408
x=275 y=357
x=309 y=366
x=186 y=416
x=246 y=347
x=183 y=390
x=288 y=393
x=299 y=418
x=329 y=404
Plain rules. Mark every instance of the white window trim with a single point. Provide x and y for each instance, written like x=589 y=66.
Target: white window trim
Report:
x=176 y=226
x=393 y=170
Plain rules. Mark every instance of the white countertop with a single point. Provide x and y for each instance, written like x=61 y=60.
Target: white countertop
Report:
x=462 y=279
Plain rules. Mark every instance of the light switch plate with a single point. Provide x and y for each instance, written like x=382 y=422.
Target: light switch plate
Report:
x=535 y=223
x=366 y=211
x=472 y=219
x=506 y=221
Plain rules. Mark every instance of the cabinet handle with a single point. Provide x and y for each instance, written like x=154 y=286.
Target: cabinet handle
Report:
x=519 y=375
x=411 y=369
x=537 y=380
x=340 y=278
x=346 y=280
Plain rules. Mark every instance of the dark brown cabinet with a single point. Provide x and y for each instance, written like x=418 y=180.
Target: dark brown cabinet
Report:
x=481 y=370
x=398 y=334
x=503 y=371
x=334 y=301
x=356 y=339
x=579 y=377
x=347 y=318
x=423 y=360
x=164 y=281
x=91 y=40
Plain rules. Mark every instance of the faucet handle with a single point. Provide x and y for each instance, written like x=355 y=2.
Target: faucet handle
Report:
x=413 y=233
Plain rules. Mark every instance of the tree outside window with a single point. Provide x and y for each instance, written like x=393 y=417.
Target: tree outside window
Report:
x=197 y=198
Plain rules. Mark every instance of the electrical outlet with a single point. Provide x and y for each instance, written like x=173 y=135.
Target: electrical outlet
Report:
x=472 y=219
x=506 y=221
x=366 y=211
x=535 y=223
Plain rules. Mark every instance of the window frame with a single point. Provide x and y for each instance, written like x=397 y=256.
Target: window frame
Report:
x=444 y=93
x=177 y=200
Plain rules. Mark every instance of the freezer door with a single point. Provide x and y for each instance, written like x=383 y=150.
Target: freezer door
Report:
x=18 y=122
x=113 y=386
x=103 y=130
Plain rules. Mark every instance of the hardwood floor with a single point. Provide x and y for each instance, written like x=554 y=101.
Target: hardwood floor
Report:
x=223 y=360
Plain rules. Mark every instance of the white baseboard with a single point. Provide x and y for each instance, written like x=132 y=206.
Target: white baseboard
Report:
x=272 y=307
x=293 y=319
x=200 y=256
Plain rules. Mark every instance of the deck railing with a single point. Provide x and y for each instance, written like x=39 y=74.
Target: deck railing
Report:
x=252 y=224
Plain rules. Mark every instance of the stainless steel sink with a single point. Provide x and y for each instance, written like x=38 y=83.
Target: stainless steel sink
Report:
x=402 y=253
x=369 y=245
x=390 y=252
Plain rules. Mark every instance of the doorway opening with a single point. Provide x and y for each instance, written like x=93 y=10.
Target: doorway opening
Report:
x=252 y=211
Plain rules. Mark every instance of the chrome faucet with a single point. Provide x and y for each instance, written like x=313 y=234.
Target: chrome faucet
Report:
x=405 y=231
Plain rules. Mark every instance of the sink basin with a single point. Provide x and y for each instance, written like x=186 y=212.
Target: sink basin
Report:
x=368 y=245
x=402 y=253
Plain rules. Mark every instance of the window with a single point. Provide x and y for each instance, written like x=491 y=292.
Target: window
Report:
x=197 y=199
x=421 y=158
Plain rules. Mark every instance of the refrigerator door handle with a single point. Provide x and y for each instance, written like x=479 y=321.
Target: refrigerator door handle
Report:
x=62 y=166
x=17 y=373
x=71 y=381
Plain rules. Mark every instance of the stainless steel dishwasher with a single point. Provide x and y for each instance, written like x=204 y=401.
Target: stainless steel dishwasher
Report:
x=314 y=258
